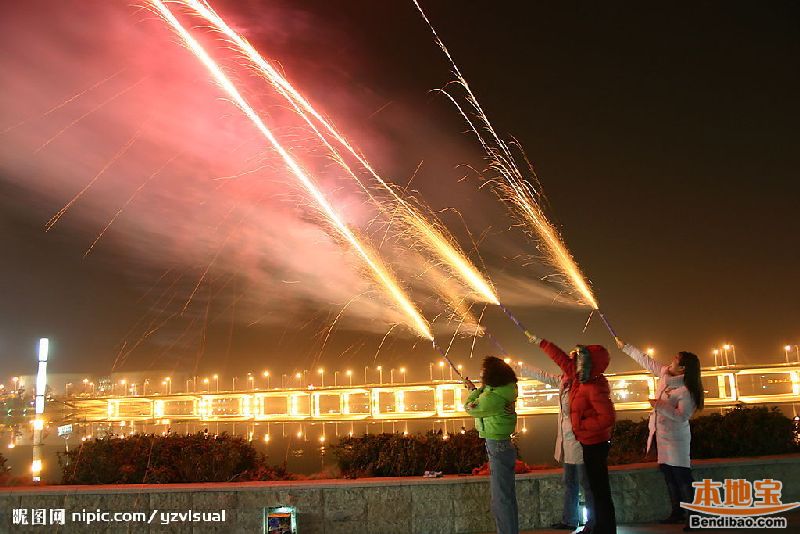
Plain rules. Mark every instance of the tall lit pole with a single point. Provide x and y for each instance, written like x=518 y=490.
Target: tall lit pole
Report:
x=403 y=372
x=430 y=370
x=725 y=349
x=216 y=380
x=380 y=374
x=321 y=373
x=786 y=350
x=299 y=376
x=391 y=376
x=205 y=383
x=715 y=352
x=38 y=422
x=733 y=352
x=233 y=384
x=459 y=367
x=366 y=368
x=441 y=369
x=252 y=380
x=168 y=380
x=266 y=375
x=335 y=382
x=283 y=381
x=350 y=376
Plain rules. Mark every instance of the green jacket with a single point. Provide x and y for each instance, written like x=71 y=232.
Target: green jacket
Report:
x=488 y=406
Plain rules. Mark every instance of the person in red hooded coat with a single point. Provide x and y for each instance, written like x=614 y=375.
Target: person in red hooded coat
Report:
x=592 y=416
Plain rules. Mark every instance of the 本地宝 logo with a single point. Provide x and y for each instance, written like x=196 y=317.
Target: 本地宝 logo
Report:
x=738 y=503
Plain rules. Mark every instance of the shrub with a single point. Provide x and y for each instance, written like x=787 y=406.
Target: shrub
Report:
x=386 y=455
x=147 y=458
x=740 y=431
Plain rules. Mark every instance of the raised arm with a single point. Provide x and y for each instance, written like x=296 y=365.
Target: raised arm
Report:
x=641 y=358
x=529 y=371
x=558 y=356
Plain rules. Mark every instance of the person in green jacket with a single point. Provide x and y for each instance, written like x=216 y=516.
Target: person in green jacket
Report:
x=487 y=404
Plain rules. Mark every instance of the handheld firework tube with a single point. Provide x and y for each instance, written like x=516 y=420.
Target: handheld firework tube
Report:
x=531 y=338
x=608 y=325
x=447 y=358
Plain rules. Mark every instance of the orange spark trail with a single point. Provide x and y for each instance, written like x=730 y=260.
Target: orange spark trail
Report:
x=380 y=273
x=516 y=189
x=435 y=238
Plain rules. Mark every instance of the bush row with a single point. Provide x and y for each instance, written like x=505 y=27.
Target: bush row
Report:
x=156 y=459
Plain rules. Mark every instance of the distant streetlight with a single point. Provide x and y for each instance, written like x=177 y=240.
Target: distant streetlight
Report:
x=715 y=352
x=441 y=368
x=430 y=370
x=205 y=383
x=252 y=380
x=403 y=372
x=366 y=368
x=266 y=375
x=350 y=376
x=786 y=350
x=651 y=351
x=216 y=380
x=380 y=374
x=298 y=376
x=725 y=348
x=391 y=376
x=168 y=380
x=233 y=384
x=335 y=379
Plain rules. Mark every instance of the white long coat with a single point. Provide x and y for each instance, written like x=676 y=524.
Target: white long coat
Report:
x=669 y=420
x=568 y=448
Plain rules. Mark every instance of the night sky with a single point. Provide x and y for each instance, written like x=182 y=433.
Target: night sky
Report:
x=665 y=137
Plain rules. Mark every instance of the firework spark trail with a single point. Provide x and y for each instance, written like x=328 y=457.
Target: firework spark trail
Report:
x=65 y=102
x=96 y=108
x=380 y=273
x=126 y=204
x=121 y=152
x=519 y=191
x=436 y=238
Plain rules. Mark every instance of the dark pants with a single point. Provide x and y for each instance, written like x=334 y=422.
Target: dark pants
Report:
x=679 y=485
x=595 y=457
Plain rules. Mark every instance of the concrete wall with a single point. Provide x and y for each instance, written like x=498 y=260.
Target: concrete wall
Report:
x=448 y=505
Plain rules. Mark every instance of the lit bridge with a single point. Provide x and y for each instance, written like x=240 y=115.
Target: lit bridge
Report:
x=724 y=386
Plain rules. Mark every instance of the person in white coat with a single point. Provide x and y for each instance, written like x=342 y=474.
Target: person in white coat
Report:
x=568 y=450
x=678 y=395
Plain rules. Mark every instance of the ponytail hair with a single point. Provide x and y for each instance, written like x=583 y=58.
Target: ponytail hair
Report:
x=691 y=377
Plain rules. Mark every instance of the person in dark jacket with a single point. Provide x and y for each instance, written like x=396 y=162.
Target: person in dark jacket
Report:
x=592 y=416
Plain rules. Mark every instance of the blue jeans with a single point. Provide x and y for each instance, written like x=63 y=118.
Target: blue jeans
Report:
x=575 y=474
x=502 y=457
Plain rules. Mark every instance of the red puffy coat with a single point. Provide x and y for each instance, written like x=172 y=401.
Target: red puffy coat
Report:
x=590 y=408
